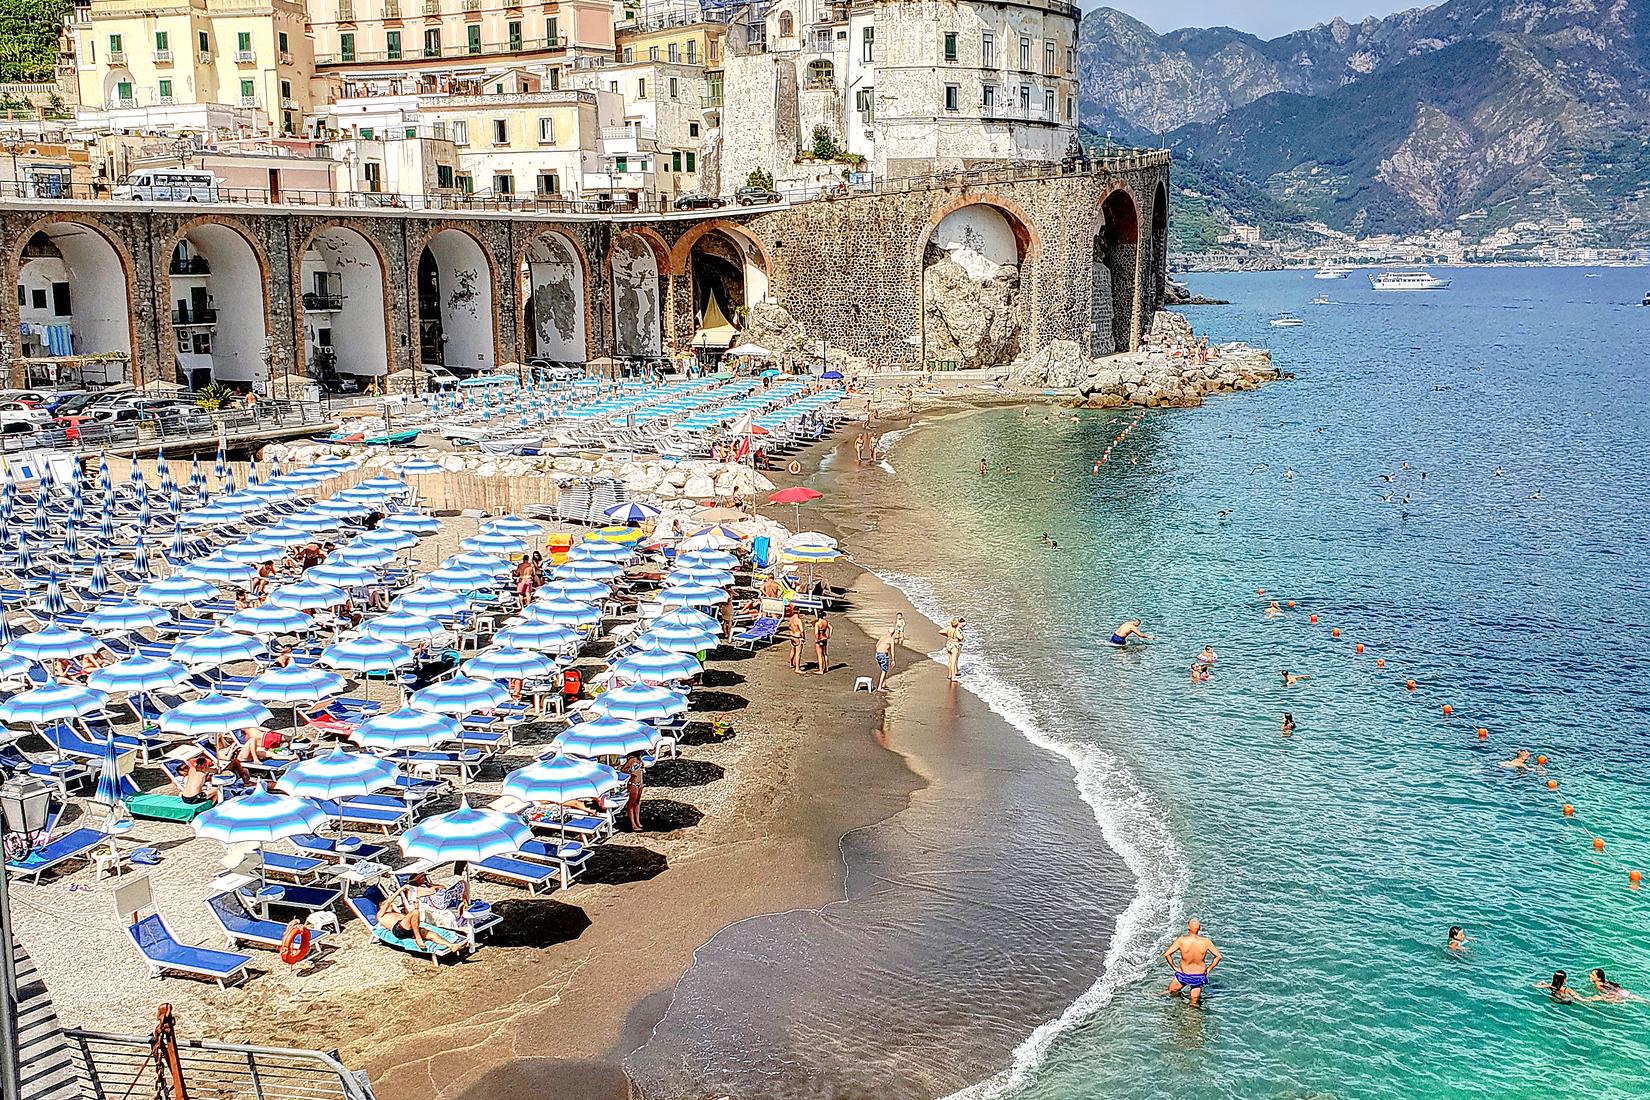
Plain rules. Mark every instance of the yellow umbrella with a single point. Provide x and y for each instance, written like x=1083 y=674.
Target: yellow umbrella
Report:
x=625 y=536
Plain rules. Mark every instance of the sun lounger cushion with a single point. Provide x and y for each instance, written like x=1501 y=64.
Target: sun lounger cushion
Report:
x=69 y=846
x=165 y=807
x=164 y=952
x=242 y=927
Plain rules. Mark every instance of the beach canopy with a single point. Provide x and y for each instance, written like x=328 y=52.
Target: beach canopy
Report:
x=607 y=737
x=258 y=817
x=406 y=729
x=339 y=774
x=560 y=778
x=465 y=835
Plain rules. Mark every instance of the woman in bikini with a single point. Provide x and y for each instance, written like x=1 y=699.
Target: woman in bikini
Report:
x=953 y=636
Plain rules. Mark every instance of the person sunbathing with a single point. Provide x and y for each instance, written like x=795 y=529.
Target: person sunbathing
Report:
x=400 y=912
x=194 y=777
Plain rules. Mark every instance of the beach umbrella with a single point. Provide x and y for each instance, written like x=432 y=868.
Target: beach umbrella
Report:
x=197 y=480
x=341 y=574
x=365 y=554
x=213 y=716
x=211 y=515
x=106 y=525
x=542 y=637
x=403 y=628
x=219 y=569
x=334 y=510
x=71 y=542
x=480 y=562
x=419 y=467
x=657 y=666
x=338 y=774
x=175 y=591
x=140 y=556
x=392 y=538
x=265 y=621
x=269 y=491
x=607 y=737
x=687 y=616
x=385 y=485
x=105 y=484
x=602 y=551
x=54 y=643
x=729 y=536
x=680 y=638
x=458 y=578
x=42 y=520
x=124 y=617
x=519 y=526
x=306 y=595
x=701 y=575
x=335 y=464
x=25 y=556
x=504 y=663
x=146 y=514
x=709 y=559
x=641 y=702
x=163 y=472
x=406 y=729
x=317 y=520
x=54 y=603
x=588 y=569
x=631 y=511
x=808 y=551
x=99 y=584
x=465 y=835
x=797 y=496
x=576 y=591
x=459 y=695
x=136 y=675
x=832 y=375
x=691 y=595
x=562 y=613
x=293 y=684
x=284 y=534
x=252 y=550
x=412 y=522
x=259 y=817
x=494 y=542
x=624 y=536
x=220 y=466
x=367 y=655
x=113 y=786
x=431 y=603
x=709 y=540
x=561 y=779
x=216 y=648
x=51 y=703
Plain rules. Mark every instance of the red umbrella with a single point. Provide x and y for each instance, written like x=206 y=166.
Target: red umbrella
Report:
x=797 y=495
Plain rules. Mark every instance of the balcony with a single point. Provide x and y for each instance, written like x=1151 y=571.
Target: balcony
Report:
x=392 y=9
x=472 y=6
x=250 y=101
x=288 y=103
x=710 y=102
x=163 y=57
x=165 y=100
x=286 y=57
x=432 y=7
x=322 y=303
x=246 y=57
x=203 y=57
x=463 y=50
x=117 y=57
x=126 y=101
x=346 y=13
x=184 y=317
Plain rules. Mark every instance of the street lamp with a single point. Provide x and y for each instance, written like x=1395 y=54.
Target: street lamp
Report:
x=24 y=804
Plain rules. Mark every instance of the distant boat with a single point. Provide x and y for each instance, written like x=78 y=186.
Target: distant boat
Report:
x=1321 y=300
x=1286 y=320
x=1646 y=301
x=1408 y=280
x=1331 y=273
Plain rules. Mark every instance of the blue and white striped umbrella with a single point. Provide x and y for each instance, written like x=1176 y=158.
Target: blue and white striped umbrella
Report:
x=588 y=569
x=213 y=715
x=104 y=481
x=25 y=556
x=419 y=467
x=430 y=603
x=465 y=835
x=265 y=621
x=51 y=703
x=366 y=555
x=220 y=569
x=607 y=737
x=385 y=485
x=216 y=648
x=305 y=595
x=197 y=480
x=457 y=578
x=174 y=591
x=687 y=616
x=559 y=778
x=242 y=502
x=631 y=511
x=315 y=521
x=71 y=542
x=691 y=595
x=390 y=537
x=140 y=556
x=334 y=511
x=406 y=729
x=601 y=551
x=494 y=542
x=253 y=551
x=680 y=638
x=479 y=562
x=54 y=643
x=138 y=674
x=124 y=617
x=220 y=466
x=574 y=591
x=270 y=491
x=657 y=666
x=146 y=513
x=562 y=613
x=519 y=526
x=163 y=473
x=341 y=575
x=543 y=637
x=338 y=774
x=367 y=655
x=113 y=787
x=284 y=535
x=641 y=703
x=106 y=525
x=42 y=521
x=508 y=664
x=701 y=575
x=54 y=603
x=412 y=522
x=459 y=695
x=259 y=817
x=212 y=515
x=336 y=464
x=403 y=627
x=293 y=684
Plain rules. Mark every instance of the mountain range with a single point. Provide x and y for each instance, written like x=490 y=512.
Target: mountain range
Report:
x=1472 y=115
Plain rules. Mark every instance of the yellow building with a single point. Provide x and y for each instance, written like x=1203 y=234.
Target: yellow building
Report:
x=677 y=41
x=154 y=66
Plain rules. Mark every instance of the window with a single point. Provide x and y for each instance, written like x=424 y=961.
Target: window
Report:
x=821 y=74
x=690 y=167
x=1048 y=59
x=473 y=34
x=443 y=175
x=1025 y=54
x=1048 y=105
x=549 y=183
x=286 y=90
x=653 y=53
x=115 y=46
x=629 y=55
x=693 y=129
x=366 y=133
x=787 y=25
x=501 y=131
x=673 y=87
x=692 y=52
x=620 y=164
x=374 y=173
x=951 y=97
x=392 y=45
x=346 y=46
x=547 y=130
x=988 y=97
x=432 y=42
x=243 y=41
x=513 y=30
x=641 y=89
x=163 y=41
x=950 y=52
x=248 y=89
x=461 y=132
x=466 y=183
x=1071 y=60
x=204 y=41
x=280 y=42
x=550 y=34
x=672 y=54
x=1025 y=99
x=1071 y=109
x=555 y=80
x=165 y=90
x=867 y=44
x=504 y=184
x=988 y=51
x=410 y=132
x=865 y=103
x=124 y=91
x=675 y=162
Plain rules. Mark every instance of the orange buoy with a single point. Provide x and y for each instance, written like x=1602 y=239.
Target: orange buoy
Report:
x=1633 y=878
x=1552 y=784
x=1483 y=733
x=1335 y=632
x=295 y=944
x=1260 y=591
x=1290 y=604
x=1359 y=648
x=1569 y=810
x=1598 y=845
x=1311 y=618
x=1542 y=760
x=1448 y=710
x=1409 y=685
x=1380 y=662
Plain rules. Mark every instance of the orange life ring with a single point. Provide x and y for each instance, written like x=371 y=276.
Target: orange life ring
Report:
x=295 y=944
x=795 y=467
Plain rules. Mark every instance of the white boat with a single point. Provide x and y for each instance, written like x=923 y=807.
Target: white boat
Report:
x=1286 y=320
x=1407 y=280
x=1331 y=273
x=1321 y=300
x=1646 y=301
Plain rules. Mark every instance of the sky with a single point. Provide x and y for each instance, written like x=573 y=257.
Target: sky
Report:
x=1266 y=18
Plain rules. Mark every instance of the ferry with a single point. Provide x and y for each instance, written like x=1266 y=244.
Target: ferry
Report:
x=1286 y=320
x=1407 y=280
x=1331 y=273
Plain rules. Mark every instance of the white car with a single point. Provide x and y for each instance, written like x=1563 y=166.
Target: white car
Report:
x=439 y=378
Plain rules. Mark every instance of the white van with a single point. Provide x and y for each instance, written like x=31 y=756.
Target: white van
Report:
x=169 y=185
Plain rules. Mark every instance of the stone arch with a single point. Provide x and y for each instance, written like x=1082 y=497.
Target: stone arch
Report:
x=977 y=262
x=636 y=264
x=453 y=276
x=75 y=273
x=555 y=298
x=217 y=304
x=821 y=73
x=1116 y=254
x=723 y=262
x=1160 y=245
x=342 y=286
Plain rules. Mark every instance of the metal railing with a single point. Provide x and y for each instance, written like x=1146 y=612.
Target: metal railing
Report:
x=415 y=50
x=188 y=427
x=123 y=1065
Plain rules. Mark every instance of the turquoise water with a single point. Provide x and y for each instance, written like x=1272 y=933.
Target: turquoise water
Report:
x=1329 y=866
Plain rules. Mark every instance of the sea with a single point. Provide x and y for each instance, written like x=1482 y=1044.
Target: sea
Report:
x=1451 y=490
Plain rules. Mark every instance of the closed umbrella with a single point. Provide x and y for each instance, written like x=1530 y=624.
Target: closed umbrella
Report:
x=140 y=556
x=114 y=787
x=54 y=603
x=641 y=703
x=459 y=695
x=99 y=584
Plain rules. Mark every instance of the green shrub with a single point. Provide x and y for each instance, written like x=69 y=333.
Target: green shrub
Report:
x=760 y=177
x=214 y=397
x=824 y=144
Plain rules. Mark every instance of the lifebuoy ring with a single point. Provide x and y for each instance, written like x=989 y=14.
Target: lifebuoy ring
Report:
x=795 y=467
x=295 y=944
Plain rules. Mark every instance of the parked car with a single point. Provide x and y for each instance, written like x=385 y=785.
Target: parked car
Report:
x=439 y=378
x=753 y=196
x=169 y=185
x=695 y=201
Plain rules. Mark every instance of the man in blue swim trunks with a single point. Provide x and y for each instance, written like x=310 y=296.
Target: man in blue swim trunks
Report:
x=1198 y=956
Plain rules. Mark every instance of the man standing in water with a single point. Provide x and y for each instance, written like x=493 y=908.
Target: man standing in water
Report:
x=1195 y=952
x=885 y=658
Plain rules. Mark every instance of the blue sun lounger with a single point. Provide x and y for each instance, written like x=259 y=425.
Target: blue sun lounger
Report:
x=568 y=857
x=325 y=847
x=529 y=875
x=73 y=845
x=296 y=868
x=242 y=927
x=162 y=951
x=762 y=630
x=360 y=811
x=63 y=737
x=439 y=942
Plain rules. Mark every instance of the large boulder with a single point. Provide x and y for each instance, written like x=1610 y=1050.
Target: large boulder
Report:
x=1056 y=366
x=971 y=308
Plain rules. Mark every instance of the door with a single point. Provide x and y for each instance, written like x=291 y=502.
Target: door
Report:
x=274 y=185
x=60 y=300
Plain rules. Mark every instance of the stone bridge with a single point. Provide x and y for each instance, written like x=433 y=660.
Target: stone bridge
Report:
x=979 y=266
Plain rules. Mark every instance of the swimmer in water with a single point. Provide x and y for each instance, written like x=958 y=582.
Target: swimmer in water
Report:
x=1273 y=610
x=1129 y=628
x=982 y=467
x=1289 y=474
x=1288 y=724
x=1290 y=679
x=1207 y=657
x=1457 y=938
x=1520 y=760
x=1559 y=988
x=1608 y=990
x=1200 y=673
x=1195 y=966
